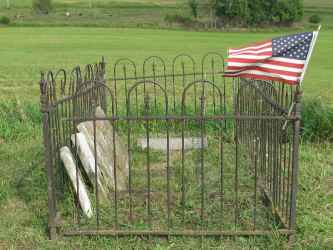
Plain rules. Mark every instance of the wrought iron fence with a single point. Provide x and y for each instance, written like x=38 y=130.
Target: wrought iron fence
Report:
x=238 y=177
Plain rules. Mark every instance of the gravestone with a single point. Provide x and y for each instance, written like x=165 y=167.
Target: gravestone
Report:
x=76 y=180
x=104 y=151
x=174 y=143
x=88 y=162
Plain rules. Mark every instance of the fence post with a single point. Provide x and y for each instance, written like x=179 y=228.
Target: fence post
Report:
x=44 y=105
x=295 y=163
x=103 y=78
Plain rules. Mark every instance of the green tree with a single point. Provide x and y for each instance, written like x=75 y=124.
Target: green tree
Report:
x=287 y=11
x=194 y=4
x=211 y=6
x=232 y=10
x=259 y=11
x=42 y=6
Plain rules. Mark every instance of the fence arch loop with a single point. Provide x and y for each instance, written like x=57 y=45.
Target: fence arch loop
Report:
x=75 y=79
x=203 y=83
x=51 y=87
x=213 y=55
x=61 y=73
x=98 y=84
x=153 y=58
x=265 y=90
x=180 y=56
x=124 y=61
x=145 y=83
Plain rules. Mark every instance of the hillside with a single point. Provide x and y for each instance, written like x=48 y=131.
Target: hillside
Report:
x=129 y=13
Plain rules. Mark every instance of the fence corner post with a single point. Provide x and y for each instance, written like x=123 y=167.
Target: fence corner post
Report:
x=295 y=164
x=44 y=107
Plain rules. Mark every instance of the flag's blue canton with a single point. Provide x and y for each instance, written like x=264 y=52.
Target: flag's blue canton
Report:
x=294 y=46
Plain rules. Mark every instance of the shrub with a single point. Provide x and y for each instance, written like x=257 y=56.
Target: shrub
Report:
x=42 y=6
x=287 y=11
x=4 y=20
x=317 y=121
x=315 y=19
x=194 y=4
x=176 y=18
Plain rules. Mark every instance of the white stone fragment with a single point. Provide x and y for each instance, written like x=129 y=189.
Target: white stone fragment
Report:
x=76 y=178
x=174 y=143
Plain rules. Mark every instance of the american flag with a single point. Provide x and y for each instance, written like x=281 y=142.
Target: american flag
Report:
x=281 y=59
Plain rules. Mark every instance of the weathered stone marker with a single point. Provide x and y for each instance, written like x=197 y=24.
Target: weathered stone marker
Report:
x=88 y=162
x=70 y=166
x=174 y=143
x=104 y=151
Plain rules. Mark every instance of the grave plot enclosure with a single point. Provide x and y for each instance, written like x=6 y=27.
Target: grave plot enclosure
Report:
x=169 y=150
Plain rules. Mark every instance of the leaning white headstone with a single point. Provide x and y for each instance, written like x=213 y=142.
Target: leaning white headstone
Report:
x=76 y=180
x=87 y=159
x=104 y=151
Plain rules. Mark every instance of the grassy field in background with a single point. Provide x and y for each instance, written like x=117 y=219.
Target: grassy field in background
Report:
x=86 y=3
x=23 y=197
x=130 y=13
x=27 y=51
x=323 y=8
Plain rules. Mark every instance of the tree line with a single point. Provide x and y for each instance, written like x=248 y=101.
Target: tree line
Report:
x=250 y=12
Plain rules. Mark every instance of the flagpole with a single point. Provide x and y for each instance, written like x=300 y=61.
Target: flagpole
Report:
x=313 y=43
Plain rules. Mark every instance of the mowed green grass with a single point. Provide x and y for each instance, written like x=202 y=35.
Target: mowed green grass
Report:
x=25 y=52
x=23 y=191
x=86 y=3
x=322 y=8
x=318 y=3
x=102 y=13
x=23 y=207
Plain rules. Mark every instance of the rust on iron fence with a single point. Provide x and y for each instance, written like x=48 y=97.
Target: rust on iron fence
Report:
x=219 y=158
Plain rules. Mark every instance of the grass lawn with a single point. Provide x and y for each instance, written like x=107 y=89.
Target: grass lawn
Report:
x=128 y=13
x=23 y=201
x=26 y=51
x=322 y=8
x=23 y=206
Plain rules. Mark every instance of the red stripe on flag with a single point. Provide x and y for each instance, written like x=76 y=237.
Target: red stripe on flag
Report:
x=273 y=71
x=250 y=49
x=252 y=45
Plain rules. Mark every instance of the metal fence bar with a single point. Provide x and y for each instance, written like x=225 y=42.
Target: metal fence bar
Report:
x=295 y=161
x=237 y=117
x=188 y=233
x=44 y=102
